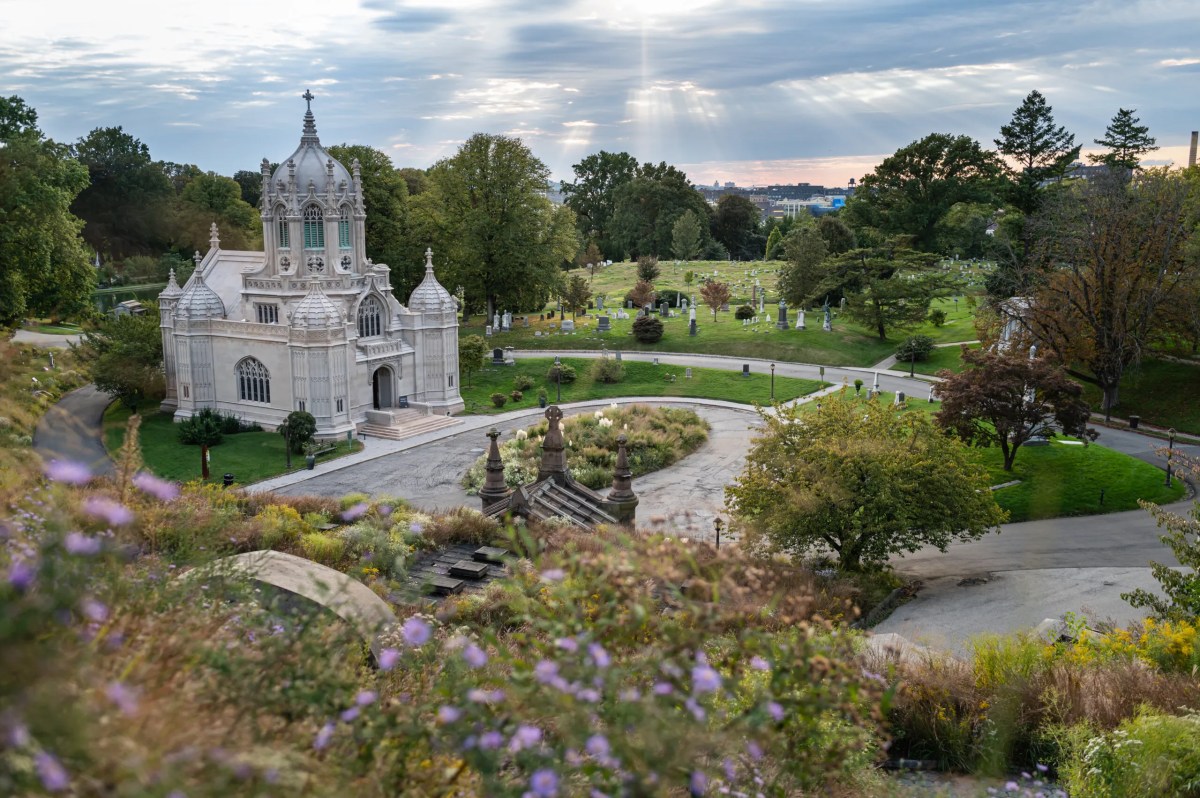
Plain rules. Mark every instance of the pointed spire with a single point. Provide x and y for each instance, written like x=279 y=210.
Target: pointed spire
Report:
x=494 y=487
x=554 y=456
x=622 y=484
x=197 y=257
x=172 y=291
x=310 y=123
x=214 y=237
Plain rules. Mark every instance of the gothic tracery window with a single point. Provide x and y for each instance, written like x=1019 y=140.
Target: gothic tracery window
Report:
x=344 y=229
x=370 y=318
x=314 y=228
x=254 y=381
x=282 y=226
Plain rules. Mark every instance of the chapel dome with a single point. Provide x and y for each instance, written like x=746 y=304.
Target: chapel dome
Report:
x=198 y=301
x=315 y=311
x=312 y=163
x=430 y=296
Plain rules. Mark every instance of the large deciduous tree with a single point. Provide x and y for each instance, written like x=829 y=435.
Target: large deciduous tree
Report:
x=686 y=236
x=736 y=224
x=1005 y=398
x=1126 y=142
x=126 y=355
x=860 y=480
x=646 y=208
x=576 y=293
x=1113 y=253
x=471 y=351
x=385 y=195
x=486 y=213
x=805 y=250
x=44 y=269
x=592 y=195
x=886 y=288
x=910 y=192
x=126 y=206
x=207 y=199
x=715 y=294
x=1037 y=151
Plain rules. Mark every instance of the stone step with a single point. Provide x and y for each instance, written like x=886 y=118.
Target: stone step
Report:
x=444 y=586
x=490 y=554
x=466 y=569
x=419 y=424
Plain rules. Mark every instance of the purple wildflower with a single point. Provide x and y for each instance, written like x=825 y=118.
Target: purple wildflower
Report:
x=490 y=741
x=21 y=575
x=384 y=510
x=416 y=527
x=589 y=695
x=698 y=784
x=775 y=711
x=160 y=489
x=324 y=736
x=567 y=644
x=366 y=697
x=53 y=775
x=355 y=512
x=1012 y=786
x=599 y=656
x=597 y=745
x=415 y=632
x=388 y=659
x=544 y=784
x=449 y=714
x=526 y=736
x=69 y=472
x=350 y=715
x=94 y=610
x=729 y=768
x=545 y=671
x=81 y=544
x=115 y=513
x=695 y=708
x=663 y=688
x=705 y=680
x=18 y=735
x=630 y=695
x=1042 y=768
x=754 y=750
x=553 y=575
x=480 y=696
x=475 y=656
x=759 y=664
x=123 y=696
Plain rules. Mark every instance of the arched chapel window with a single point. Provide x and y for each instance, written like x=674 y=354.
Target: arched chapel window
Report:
x=285 y=238
x=314 y=228
x=370 y=318
x=254 y=381
x=344 y=229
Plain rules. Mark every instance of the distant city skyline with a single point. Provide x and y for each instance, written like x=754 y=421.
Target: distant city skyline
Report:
x=755 y=92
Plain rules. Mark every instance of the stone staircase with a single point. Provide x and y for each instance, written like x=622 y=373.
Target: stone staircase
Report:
x=396 y=424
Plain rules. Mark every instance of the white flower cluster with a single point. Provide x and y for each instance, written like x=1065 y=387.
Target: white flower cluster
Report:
x=605 y=422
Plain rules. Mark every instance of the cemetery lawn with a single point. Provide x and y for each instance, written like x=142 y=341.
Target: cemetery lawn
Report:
x=944 y=357
x=249 y=456
x=50 y=328
x=1065 y=480
x=1162 y=392
x=641 y=379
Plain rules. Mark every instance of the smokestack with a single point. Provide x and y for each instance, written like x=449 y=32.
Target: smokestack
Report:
x=1192 y=154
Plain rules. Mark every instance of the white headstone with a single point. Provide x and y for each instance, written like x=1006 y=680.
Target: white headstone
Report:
x=568 y=325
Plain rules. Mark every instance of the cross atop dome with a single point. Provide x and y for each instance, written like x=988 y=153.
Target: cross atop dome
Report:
x=310 y=122
x=308 y=97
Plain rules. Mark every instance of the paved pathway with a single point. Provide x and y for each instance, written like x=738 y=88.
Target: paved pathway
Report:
x=45 y=339
x=71 y=430
x=890 y=361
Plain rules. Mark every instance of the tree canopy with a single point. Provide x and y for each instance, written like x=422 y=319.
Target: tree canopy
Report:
x=805 y=250
x=126 y=355
x=736 y=225
x=1126 y=141
x=686 y=236
x=1037 y=149
x=886 y=288
x=647 y=207
x=1005 y=398
x=860 y=480
x=44 y=268
x=593 y=195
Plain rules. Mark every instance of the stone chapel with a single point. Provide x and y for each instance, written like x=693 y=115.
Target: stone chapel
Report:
x=310 y=323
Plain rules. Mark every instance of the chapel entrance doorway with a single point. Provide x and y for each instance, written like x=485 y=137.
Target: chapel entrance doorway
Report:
x=383 y=388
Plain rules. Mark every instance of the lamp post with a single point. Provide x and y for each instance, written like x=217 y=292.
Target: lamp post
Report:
x=1170 y=452
x=558 y=377
x=772 y=382
x=912 y=361
x=717 y=525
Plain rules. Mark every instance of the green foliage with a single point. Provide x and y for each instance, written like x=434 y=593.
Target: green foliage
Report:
x=499 y=399
x=805 y=249
x=744 y=312
x=561 y=373
x=774 y=242
x=886 y=289
x=204 y=428
x=592 y=196
x=471 y=351
x=838 y=236
x=576 y=294
x=1038 y=151
x=126 y=359
x=915 y=348
x=516 y=396
x=608 y=370
x=647 y=207
x=647 y=268
x=806 y=485
x=522 y=382
x=1126 y=142
x=298 y=428
x=210 y=198
x=648 y=329
x=320 y=547
x=686 y=238
x=736 y=225
x=1180 y=588
x=937 y=317
x=46 y=272
x=1148 y=756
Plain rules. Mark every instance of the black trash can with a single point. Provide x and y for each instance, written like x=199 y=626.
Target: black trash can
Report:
x=1134 y=421
x=227 y=480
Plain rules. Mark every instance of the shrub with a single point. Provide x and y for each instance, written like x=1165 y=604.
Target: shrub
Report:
x=516 y=396
x=647 y=329
x=499 y=399
x=542 y=394
x=322 y=548
x=561 y=373
x=608 y=370
x=937 y=317
x=744 y=312
x=647 y=268
x=915 y=349
x=671 y=296
x=281 y=527
x=522 y=382
x=299 y=428
x=462 y=525
x=858 y=384
x=1151 y=755
x=204 y=428
x=377 y=548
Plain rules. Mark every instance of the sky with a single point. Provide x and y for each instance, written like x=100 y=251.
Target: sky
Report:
x=749 y=91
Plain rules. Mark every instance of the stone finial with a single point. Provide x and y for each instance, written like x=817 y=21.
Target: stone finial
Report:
x=494 y=488
x=554 y=456
x=429 y=260
x=356 y=168
x=214 y=237
x=197 y=257
x=622 y=484
x=310 y=122
x=265 y=168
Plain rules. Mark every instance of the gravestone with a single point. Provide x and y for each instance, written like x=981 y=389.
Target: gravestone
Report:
x=568 y=325
x=783 y=320
x=725 y=307
x=692 y=326
x=655 y=363
x=800 y=319
x=618 y=355
x=525 y=321
x=600 y=303
x=745 y=369
x=497 y=357
x=603 y=325
x=487 y=331
x=664 y=310
x=495 y=321
x=629 y=304
x=683 y=303
x=687 y=373
x=506 y=321
x=899 y=397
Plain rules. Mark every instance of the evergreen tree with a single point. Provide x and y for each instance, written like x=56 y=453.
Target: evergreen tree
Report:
x=1038 y=151
x=686 y=236
x=774 y=240
x=805 y=250
x=1126 y=141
